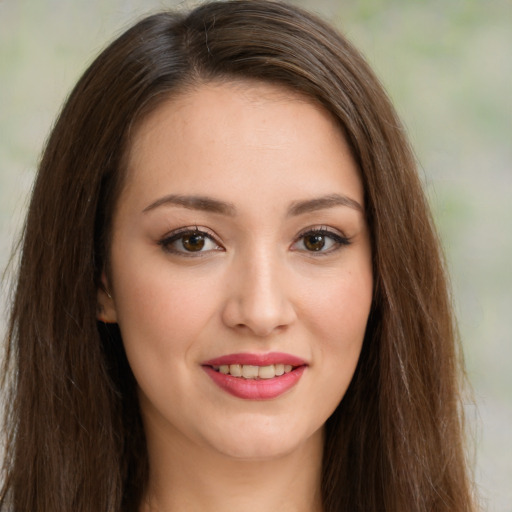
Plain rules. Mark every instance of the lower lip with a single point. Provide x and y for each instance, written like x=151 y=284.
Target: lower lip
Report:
x=255 y=389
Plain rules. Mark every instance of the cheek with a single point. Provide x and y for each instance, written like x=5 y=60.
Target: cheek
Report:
x=337 y=320
x=340 y=307
x=161 y=315
x=161 y=311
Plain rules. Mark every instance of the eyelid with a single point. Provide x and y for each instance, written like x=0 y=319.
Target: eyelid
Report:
x=339 y=238
x=322 y=228
x=174 y=235
x=167 y=240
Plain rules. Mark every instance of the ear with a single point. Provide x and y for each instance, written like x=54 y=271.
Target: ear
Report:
x=106 y=310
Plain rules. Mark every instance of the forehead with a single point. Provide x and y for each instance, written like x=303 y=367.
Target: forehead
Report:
x=206 y=99
x=249 y=132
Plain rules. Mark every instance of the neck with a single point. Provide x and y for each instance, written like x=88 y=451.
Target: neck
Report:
x=186 y=478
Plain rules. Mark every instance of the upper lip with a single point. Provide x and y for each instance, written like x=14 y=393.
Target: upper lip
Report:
x=256 y=359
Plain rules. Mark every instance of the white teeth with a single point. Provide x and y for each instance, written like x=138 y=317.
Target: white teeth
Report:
x=235 y=370
x=249 y=371
x=267 y=372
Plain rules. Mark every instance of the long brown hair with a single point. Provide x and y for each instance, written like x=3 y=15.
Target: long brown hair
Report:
x=74 y=435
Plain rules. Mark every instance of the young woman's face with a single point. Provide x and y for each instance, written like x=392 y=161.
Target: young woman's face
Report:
x=241 y=269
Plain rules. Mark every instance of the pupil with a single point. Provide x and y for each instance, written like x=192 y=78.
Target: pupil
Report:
x=314 y=242
x=193 y=242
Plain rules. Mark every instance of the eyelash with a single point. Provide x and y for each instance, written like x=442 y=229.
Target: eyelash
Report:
x=166 y=243
x=339 y=240
x=180 y=234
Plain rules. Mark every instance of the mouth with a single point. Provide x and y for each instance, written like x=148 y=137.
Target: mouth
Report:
x=249 y=371
x=256 y=376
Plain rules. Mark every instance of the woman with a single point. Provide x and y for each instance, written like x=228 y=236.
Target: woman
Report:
x=231 y=293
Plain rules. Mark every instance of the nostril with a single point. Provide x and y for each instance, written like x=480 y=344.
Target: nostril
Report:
x=259 y=305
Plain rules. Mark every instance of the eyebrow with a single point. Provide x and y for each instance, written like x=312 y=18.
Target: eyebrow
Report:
x=209 y=204
x=322 y=203
x=203 y=203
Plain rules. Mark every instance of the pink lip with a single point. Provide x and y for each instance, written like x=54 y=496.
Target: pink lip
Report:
x=256 y=389
x=256 y=359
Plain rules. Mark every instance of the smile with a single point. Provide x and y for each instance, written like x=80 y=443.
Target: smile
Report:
x=249 y=371
x=256 y=376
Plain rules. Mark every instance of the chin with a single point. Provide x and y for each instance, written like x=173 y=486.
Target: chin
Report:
x=254 y=452
x=260 y=444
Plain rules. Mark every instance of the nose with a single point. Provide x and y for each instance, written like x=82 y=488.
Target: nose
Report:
x=258 y=296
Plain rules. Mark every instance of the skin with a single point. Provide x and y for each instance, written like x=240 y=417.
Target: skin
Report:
x=254 y=287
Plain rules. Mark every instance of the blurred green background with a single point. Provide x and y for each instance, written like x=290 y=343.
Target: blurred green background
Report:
x=447 y=65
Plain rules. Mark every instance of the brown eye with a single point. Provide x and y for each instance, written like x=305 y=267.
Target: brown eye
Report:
x=193 y=242
x=189 y=242
x=322 y=241
x=314 y=242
